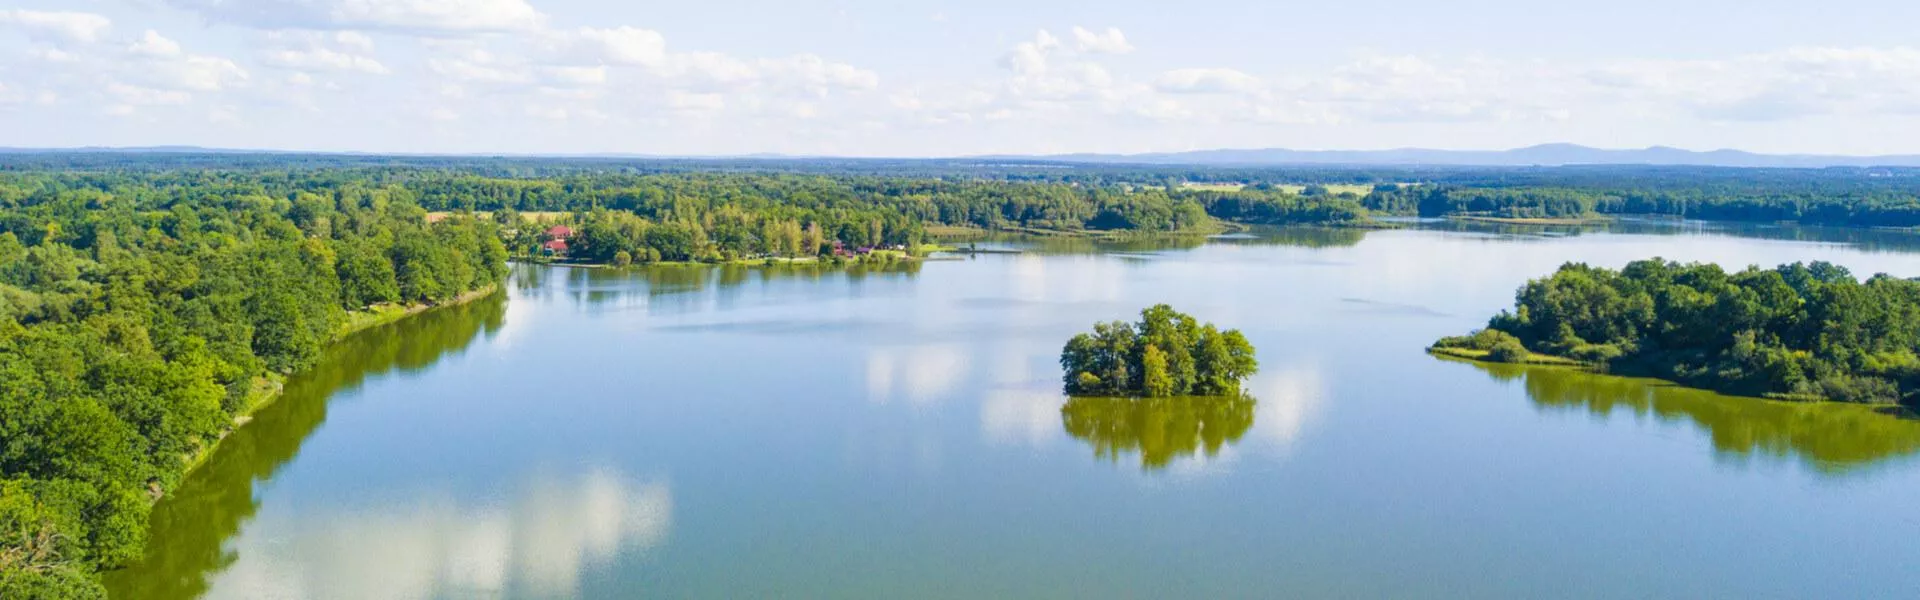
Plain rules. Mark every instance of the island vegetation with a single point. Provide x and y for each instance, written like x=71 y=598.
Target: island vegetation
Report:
x=1165 y=354
x=1799 y=331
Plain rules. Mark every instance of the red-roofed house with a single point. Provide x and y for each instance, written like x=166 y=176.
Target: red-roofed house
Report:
x=555 y=246
x=559 y=232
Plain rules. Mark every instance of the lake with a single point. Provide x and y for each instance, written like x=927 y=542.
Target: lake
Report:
x=899 y=432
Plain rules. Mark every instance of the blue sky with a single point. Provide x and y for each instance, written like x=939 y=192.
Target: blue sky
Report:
x=942 y=78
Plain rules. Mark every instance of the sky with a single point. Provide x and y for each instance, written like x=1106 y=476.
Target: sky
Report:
x=913 y=78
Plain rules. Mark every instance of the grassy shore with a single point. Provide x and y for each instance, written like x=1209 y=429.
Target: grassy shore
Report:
x=1532 y=358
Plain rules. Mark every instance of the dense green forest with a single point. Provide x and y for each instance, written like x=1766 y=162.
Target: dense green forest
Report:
x=1804 y=331
x=139 y=318
x=1167 y=353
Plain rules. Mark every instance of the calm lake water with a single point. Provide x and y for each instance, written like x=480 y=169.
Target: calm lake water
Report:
x=899 y=433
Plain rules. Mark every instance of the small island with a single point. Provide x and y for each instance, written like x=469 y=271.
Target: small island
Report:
x=1165 y=354
x=1796 y=332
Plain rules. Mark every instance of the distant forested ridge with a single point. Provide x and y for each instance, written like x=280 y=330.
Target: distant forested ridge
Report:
x=1050 y=194
x=1801 y=331
x=140 y=314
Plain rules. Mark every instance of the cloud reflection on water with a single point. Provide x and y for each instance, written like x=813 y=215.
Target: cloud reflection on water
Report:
x=539 y=544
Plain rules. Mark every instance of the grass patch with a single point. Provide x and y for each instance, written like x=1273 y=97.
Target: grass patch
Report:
x=1212 y=187
x=1532 y=358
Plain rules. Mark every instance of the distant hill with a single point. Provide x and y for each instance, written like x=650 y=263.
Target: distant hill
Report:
x=1541 y=155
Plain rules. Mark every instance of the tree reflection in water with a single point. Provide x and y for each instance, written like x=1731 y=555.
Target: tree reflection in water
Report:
x=1831 y=438
x=1159 y=429
x=191 y=526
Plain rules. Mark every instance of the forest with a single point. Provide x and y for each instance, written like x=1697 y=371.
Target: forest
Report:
x=1166 y=354
x=139 y=321
x=1799 y=331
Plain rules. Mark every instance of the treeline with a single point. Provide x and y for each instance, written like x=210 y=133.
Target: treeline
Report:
x=845 y=207
x=138 y=319
x=1874 y=207
x=1808 y=331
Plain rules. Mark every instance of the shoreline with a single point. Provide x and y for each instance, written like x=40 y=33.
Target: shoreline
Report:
x=267 y=389
x=1548 y=360
x=1533 y=220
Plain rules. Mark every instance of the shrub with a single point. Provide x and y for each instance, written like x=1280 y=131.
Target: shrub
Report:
x=1508 y=351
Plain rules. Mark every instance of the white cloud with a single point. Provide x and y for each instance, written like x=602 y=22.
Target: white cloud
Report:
x=578 y=75
x=354 y=40
x=317 y=52
x=817 y=74
x=1111 y=41
x=58 y=25
x=480 y=67
x=323 y=59
x=139 y=95
x=1788 y=84
x=152 y=44
x=686 y=101
x=622 y=45
x=1031 y=57
x=424 y=16
x=1211 y=80
x=193 y=73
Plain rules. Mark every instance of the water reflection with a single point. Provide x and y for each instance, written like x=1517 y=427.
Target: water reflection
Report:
x=1302 y=237
x=1012 y=417
x=922 y=375
x=189 y=527
x=1832 y=439
x=1160 y=430
x=678 y=289
x=537 y=545
x=1862 y=238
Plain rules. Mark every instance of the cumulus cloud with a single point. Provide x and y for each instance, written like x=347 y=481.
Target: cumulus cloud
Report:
x=424 y=16
x=58 y=26
x=1211 y=80
x=622 y=45
x=152 y=44
x=316 y=52
x=1111 y=41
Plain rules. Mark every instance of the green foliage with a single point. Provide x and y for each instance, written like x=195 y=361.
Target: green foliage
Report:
x=1165 y=354
x=1508 y=351
x=1800 y=330
x=135 y=325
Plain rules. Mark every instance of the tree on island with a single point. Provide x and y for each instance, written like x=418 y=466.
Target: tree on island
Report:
x=1166 y=354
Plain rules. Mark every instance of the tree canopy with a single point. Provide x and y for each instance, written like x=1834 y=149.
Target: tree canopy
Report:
x=1797 y=331
x=1165 y=354
x=139 y=318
